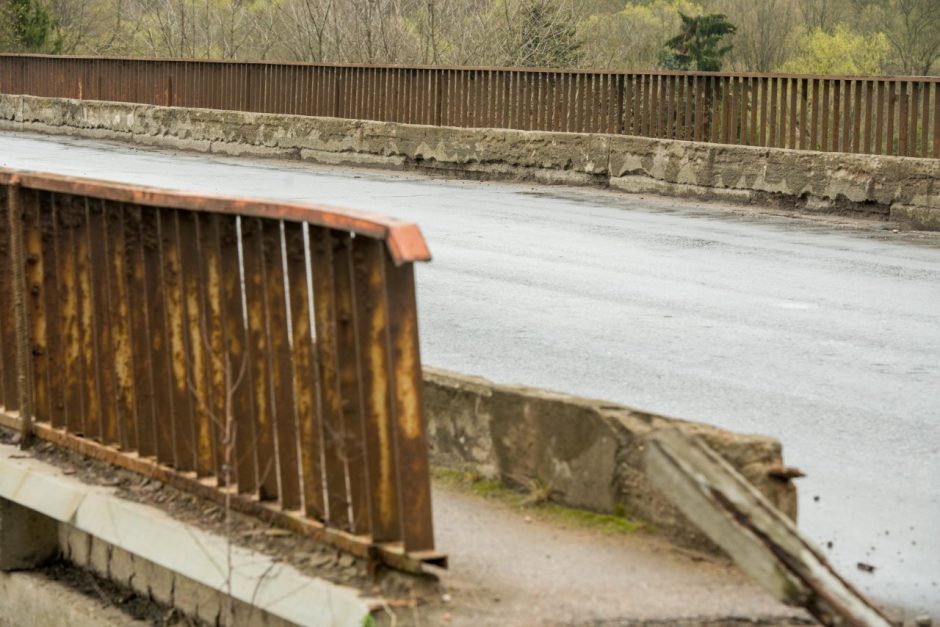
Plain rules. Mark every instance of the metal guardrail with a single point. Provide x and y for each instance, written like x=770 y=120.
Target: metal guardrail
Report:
x=260 y=353
x=868 y=114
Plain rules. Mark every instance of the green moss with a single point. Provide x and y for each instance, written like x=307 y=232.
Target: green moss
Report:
x=535 y=503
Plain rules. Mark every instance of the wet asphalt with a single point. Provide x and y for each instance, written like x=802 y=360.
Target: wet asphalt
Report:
x=823 y=334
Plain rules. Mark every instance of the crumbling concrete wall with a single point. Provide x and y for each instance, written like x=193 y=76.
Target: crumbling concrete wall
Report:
x=902 y=188
x=589 y=453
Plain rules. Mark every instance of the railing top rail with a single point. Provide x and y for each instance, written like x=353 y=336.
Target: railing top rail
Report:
x=483 y=68
x=404 y=239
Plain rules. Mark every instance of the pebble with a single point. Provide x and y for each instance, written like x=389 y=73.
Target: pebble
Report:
x=923 y=621
x=346 y=561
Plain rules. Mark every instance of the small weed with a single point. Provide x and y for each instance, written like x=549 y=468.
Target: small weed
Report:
x=535 y=500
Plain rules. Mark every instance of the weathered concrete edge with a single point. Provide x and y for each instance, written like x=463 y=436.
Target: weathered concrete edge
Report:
x=586 y=453
x=101 y=531
x=902 y=188
x=29 y=598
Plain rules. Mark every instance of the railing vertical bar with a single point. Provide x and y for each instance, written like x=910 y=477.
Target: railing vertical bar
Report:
x=282 y=370
x=847 y=116
x=239 y=385
x=866 y=147
x=857 y=115
x=793 y=117
x=256 y=291
x=175 y=303
x=903 y=112
x=410 y=429
x=68 y=219
x=804 y=98
x=36 y=245
x=124 y=383
x=139 y=303
x=936 y=120
x=325 y=311
x=892 y=105
x=925 y=123
x=155 y=228
x=307 y=392
x=378 y=407
x=8 y=391
x=23 y=354
x=347 y=313
x=763 y=111
x=89 y=345
x=55 y=341
x=213 y=339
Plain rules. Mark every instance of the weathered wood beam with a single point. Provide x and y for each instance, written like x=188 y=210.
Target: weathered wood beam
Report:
x=757 y=536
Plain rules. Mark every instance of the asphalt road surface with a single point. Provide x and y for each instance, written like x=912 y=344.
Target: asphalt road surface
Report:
x=824 y=335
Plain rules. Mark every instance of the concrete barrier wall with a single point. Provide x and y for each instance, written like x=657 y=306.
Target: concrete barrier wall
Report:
x=587 y=453
x=901 y=188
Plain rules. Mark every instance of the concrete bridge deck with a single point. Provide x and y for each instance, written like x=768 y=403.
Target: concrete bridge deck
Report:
x=822 y=333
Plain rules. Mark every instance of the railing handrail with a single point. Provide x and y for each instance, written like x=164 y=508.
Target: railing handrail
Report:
x=490 y=68
x=262 y=354
x=851 y=114
x=404 y=239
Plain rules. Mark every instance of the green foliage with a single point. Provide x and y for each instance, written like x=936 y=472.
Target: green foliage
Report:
x=632 y=37
x=699 y=45
x=839 y=52
x=29 y=27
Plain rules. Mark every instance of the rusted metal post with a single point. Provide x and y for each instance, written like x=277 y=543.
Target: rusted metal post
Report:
x=18 y=274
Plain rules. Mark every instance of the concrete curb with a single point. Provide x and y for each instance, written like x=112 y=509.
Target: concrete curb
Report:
x=902 y=188
x=111 y=535
x=587 y=453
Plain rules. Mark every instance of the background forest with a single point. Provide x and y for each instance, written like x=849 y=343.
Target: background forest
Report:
x=807 y=36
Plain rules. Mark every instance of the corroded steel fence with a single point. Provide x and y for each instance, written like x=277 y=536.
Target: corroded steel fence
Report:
x=265 y=353
x=879 y=115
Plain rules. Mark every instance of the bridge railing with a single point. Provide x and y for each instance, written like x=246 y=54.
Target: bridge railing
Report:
x=859 y=114
x=260 y=353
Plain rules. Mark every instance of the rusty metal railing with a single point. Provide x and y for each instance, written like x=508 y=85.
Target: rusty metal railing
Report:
x=859 y=114
x=257 y=352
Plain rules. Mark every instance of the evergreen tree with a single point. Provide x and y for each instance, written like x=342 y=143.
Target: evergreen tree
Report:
x=28 y=27
x=698 y=45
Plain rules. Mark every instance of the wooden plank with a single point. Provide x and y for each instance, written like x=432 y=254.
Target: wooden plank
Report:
x=760 y=539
